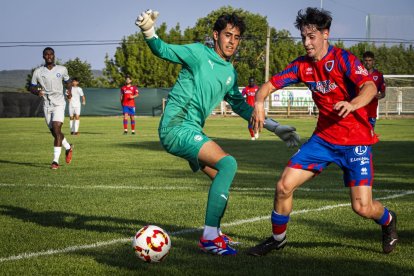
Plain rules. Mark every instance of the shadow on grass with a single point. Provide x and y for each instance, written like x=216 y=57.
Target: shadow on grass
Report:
x=186 y=259
x=29 y=164
x=66 y=220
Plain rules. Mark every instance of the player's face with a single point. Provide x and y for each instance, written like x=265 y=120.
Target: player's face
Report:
x=49 y=57
x=227 y=41
x=369 y=63
x=128 y=81
x=315 y=42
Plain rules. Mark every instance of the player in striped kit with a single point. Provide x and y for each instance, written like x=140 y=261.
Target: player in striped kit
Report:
x=47 y=82
x=341 y=88
x=369 y=62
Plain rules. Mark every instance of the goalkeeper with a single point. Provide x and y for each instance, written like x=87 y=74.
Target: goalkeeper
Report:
x=206 y=78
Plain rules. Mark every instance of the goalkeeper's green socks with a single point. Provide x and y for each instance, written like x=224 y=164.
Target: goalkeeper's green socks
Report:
x=219 y=193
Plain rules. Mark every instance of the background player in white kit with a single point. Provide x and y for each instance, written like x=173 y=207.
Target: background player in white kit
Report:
x=47 y=82
x=75 y=106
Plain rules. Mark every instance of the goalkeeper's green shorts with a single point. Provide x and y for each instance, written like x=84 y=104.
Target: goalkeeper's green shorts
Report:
x=184 y=142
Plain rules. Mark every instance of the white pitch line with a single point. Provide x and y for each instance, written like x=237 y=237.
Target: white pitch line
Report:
x=129 y=187
x=177 y=233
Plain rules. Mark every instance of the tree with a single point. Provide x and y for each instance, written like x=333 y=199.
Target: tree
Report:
x=81 y=70
x=134 y=57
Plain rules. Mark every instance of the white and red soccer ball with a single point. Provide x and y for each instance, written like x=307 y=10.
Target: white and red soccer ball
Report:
x=151 y=244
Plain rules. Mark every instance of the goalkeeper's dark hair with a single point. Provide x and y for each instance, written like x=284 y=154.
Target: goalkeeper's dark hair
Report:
x=48 y=49
x=368 y=54
x=233 y=19
x=320 y=18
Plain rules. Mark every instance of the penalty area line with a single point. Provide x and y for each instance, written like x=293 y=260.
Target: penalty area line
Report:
x=30 y=255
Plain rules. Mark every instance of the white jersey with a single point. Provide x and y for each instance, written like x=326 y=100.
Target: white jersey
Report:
x=77 y=92
x=51 y=82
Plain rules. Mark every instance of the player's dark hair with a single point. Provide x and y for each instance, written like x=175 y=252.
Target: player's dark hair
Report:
x=75 y=79
x=320 y=18
x=233 y=19
x=48 y=49
x=368 y=54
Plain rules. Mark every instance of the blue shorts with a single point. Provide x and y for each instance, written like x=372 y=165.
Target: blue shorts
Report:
x=355 y=161
x=130 y=110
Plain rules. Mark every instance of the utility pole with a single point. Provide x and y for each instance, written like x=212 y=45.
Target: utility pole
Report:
x=267 y=66
x=267 y=55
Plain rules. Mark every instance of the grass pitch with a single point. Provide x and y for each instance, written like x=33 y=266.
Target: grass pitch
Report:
x=79 y=219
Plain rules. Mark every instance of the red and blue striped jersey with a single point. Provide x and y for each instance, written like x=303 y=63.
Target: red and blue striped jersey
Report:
x=336 y=77
x=378 y=78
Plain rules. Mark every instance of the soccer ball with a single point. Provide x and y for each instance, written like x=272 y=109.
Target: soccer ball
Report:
x=151 y=244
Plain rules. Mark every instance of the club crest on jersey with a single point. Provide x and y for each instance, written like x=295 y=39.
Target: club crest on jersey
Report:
x=58 y=75
x=198 y=138
x=228 y=80
x=329 y=65
x=360 y=150
x=375 y=78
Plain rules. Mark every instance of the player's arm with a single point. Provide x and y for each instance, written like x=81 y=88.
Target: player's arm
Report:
x=68 y=89
x=83 y=100
x=365 y=96
x=381 y=92
x=258 y=114
x=136 y=93
x=181 y=54
x=239 y=106
x=34 y=88
x=355 y=71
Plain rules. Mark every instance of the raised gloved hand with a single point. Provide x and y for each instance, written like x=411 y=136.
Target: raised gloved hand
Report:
x=286 y=133
x=146 y=22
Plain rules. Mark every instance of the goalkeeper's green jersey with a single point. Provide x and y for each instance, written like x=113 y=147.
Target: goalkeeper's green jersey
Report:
x=203 y=82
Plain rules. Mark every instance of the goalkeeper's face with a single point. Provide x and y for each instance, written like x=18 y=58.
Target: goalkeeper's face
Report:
x=226 y=41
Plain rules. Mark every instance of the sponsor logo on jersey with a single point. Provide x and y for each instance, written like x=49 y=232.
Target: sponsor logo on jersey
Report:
x=329 y=65
x=309 y=71
x=360 y=150
x=211 y=64
x=361 y=71
x=375 y=78
x=364 y=171
x=364 y=160
x=228 y=80
x=322 y=86
x=198 y=138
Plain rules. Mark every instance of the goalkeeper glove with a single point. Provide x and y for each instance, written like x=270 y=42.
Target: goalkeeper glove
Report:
x=286 y=133
x=146 y=22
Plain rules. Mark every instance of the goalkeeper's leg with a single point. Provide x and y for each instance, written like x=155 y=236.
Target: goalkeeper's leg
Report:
x=221 y=168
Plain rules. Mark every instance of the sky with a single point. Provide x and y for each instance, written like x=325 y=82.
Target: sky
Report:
x=48 y=22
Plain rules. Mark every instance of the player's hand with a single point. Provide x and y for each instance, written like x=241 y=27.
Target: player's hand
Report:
x=69 y=94
x=41 y=93
x=344 y=108
x=288 y=135
x=146 y=22
x=258 y=117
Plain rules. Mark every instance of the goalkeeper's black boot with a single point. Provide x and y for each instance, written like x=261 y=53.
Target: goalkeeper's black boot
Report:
x=389 y=234
x=267 y=246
